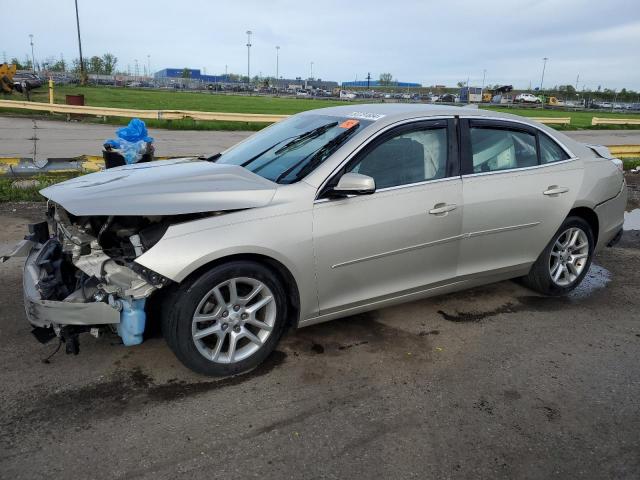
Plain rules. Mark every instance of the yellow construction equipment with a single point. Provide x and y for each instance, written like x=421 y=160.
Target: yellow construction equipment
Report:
x=6 y=77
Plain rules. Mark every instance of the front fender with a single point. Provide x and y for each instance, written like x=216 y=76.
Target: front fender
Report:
x=285 y=238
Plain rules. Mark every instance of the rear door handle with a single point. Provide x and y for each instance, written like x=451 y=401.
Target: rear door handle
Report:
x=555 y=190
x=442 y=208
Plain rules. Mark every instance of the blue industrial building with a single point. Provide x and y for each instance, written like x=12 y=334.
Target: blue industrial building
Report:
x=194 y=74
x=376 y=84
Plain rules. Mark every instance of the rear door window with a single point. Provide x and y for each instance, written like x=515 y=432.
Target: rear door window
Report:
x=495 y=149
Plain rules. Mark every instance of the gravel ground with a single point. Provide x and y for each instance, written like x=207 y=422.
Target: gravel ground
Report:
x=495 y=382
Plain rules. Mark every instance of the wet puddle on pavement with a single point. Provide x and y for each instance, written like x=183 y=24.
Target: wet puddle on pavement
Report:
x=632 y=220
x=596 y=278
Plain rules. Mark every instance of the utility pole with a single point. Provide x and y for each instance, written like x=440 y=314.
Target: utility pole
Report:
x=249 y=32
x=277 y=64
x=544 y=66
x=33 y=58
x=83 y=75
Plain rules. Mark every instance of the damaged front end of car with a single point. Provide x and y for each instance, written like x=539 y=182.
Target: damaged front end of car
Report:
x=80 y=275
x=82 y=272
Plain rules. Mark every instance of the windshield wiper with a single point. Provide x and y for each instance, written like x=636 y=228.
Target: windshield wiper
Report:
x=319 y=156
x=316 y=132
x=310 y=134
x=255 y=157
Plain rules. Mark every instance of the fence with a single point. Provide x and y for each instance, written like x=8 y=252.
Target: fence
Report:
x=147 y=114
x=625 y=151
x=615 y=121
x=552 y=120
x=179 y=114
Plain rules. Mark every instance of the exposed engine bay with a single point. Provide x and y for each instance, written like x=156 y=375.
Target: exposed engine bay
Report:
x=90 y=260
x=96 y=255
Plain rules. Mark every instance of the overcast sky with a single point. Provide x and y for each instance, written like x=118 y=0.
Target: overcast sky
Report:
x=418 y=41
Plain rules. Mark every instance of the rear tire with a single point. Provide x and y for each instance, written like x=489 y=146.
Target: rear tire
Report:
x=565 y=260
x=228 y=320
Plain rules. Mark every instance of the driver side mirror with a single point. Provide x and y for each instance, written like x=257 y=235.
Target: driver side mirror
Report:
x=355 y=184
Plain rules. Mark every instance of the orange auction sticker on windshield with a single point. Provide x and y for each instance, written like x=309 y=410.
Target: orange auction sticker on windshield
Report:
x=349 y=123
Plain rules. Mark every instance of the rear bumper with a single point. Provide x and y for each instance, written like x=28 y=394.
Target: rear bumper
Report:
x=611 y=218
x=45 y=313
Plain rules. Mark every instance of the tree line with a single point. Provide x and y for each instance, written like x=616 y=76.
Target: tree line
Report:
x=101 y=65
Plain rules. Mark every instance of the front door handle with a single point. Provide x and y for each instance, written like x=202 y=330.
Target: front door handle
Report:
x=442 y=209
x=555 y=190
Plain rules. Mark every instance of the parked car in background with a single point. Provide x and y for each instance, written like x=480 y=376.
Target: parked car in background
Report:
x=26 y=80
x=323 y=215
x=527 y=98
x=447 y=98
x=344 y=94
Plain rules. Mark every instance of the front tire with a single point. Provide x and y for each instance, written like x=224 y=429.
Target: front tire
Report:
x=228 y=320
x=565 y=260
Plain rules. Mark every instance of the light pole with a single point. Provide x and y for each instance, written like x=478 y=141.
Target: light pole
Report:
x=249 y=32
x=33 y=58
x=484 y=75
x=277 y=64
x=149 y=64
x=83 y=79
x=311 y=77
x=544 y=66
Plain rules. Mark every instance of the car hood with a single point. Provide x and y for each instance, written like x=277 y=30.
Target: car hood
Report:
x=164 y=187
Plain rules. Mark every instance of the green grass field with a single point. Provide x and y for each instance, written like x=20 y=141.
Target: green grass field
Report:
x=183 y=100
x=579 y=120
x=9 y=193
x=180 y=100
x=630 y=163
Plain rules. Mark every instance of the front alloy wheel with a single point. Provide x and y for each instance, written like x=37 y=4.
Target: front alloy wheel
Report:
x=227 y=320
x=233 y=320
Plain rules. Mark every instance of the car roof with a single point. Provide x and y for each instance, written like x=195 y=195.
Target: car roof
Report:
x=394 y=112
x=399 y=111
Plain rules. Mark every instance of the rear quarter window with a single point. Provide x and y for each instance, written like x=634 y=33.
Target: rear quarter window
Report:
x=550 y=151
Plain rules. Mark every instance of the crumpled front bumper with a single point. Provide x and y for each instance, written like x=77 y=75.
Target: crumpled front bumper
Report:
x=44 y=313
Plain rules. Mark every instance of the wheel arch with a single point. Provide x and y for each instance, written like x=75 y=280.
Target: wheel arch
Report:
x=278 y=268
x=590 y=216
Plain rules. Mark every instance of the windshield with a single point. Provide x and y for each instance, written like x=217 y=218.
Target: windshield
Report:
x=292 y=148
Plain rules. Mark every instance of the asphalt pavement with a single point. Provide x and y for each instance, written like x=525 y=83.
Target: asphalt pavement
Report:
x=42 y=139
x=21 y=137
x=496 y=382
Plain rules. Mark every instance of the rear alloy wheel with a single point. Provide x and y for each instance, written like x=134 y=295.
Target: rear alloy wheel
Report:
x=228 y=320
x=565 y=261
x=568 y=256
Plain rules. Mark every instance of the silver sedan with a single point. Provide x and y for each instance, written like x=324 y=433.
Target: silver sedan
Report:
x=326 y=214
